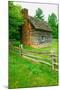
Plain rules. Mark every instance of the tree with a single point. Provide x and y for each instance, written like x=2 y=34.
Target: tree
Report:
x=39 y=14
x=15 y=20
x=53 y=22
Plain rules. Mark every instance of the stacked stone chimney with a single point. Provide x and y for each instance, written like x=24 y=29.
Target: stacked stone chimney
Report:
x=25 y=28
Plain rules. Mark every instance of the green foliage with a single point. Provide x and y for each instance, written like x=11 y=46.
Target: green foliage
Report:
x=52 y=21
x=15 y=42
x=15 y=20
x=39 y=14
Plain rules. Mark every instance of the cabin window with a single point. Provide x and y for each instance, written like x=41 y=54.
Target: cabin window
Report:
x=43 y=38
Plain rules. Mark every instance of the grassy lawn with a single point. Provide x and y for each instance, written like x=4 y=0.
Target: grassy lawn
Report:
x=26 y=73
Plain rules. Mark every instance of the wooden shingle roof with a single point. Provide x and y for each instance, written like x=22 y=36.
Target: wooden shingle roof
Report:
x=39 y=24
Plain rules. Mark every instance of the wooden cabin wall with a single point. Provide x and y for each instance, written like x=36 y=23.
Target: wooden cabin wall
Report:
x=40 y=36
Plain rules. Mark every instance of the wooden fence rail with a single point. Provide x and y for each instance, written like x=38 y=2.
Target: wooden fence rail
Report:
x=33 y=56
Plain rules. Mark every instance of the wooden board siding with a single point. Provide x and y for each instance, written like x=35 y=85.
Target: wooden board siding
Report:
x=39 y=37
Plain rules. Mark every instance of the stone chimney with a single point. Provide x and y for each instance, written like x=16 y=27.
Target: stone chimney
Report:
x=25 y=28
x=25 y=13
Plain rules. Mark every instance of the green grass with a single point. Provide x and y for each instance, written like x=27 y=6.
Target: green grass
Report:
x=26 y=73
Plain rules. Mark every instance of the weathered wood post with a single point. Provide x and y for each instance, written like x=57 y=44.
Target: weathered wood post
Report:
x=21 y=49
x=53 y=55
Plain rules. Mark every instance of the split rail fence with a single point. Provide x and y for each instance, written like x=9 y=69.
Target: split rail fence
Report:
x=36 y=56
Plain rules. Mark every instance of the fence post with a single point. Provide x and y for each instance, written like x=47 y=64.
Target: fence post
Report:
x=53 y=54
x=21 y=49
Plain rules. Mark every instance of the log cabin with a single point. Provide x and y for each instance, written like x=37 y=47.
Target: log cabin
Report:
x=35 y=33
